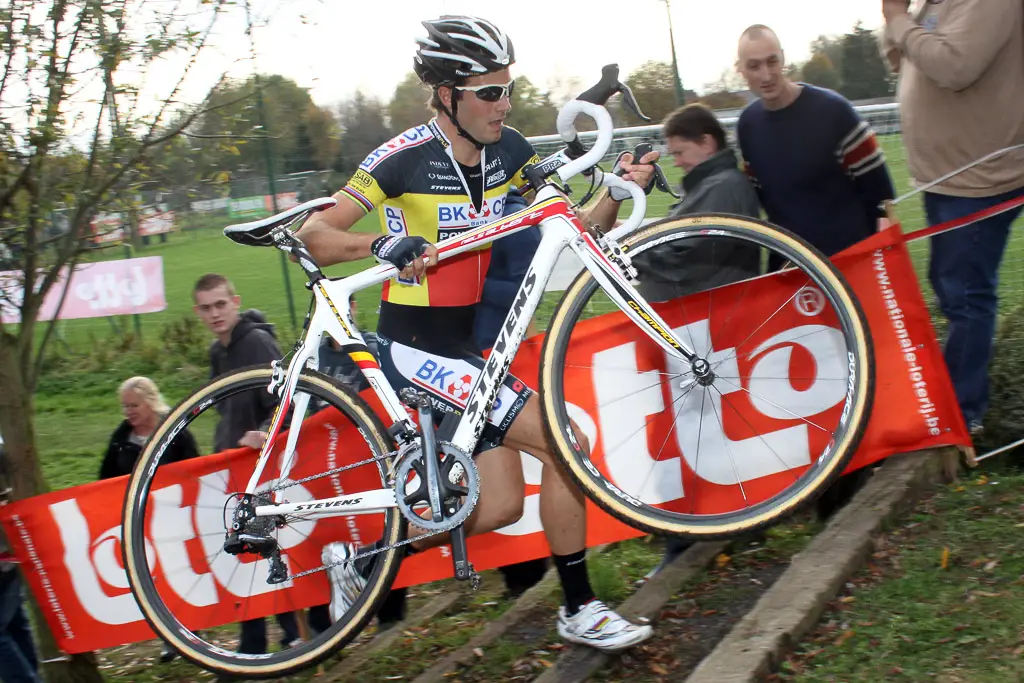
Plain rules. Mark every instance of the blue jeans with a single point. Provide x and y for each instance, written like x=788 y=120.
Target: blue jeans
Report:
x=18 y=662
x=964 y=272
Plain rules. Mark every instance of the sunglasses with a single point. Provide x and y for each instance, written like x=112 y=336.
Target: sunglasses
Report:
x=491 y=93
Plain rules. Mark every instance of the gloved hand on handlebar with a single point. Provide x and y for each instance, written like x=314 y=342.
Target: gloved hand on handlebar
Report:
x=643 y=173
x=411 y=255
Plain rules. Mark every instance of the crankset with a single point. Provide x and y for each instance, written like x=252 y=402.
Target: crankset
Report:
x=437 y=485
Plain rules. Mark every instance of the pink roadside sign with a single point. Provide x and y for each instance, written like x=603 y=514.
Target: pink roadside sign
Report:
x=96 y=290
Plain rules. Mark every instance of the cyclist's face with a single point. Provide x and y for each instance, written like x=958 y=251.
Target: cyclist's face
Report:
x=482 y=118
x=686 y=154
x=218 y=309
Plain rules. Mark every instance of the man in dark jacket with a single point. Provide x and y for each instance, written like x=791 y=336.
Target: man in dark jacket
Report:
x=243 y=339
x=713 y=183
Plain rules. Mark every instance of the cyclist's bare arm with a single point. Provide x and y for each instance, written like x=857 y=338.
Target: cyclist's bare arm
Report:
x=329 y=238
x=327 y=233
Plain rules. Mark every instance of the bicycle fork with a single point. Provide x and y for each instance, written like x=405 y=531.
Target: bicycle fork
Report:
x=439 y=489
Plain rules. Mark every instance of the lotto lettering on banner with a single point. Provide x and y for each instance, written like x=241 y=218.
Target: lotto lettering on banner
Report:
x=70 y=540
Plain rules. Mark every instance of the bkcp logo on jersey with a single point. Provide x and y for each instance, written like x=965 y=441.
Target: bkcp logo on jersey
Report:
x=410 y=138
x=453 y=219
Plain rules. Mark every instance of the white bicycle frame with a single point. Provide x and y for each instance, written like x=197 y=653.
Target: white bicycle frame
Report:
x=331 y=315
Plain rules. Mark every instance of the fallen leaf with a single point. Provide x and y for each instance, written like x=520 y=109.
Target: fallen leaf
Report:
x=988 y=594
x=722 y=560
x=846 y=635
x=709 y=612
x=991 y=565
x=658 y=669
x=546 y=663
x=478 y=652
x=945 y=559
x=847 y=599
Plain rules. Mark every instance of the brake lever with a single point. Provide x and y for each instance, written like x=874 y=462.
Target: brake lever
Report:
x=630 y=101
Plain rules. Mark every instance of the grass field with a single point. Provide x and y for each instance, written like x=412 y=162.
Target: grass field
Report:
x=77 y=403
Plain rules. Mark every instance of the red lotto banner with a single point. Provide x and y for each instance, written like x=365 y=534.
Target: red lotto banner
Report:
x=69 y=541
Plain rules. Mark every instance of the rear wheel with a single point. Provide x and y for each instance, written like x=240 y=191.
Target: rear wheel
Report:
x=676 y=449
x=198 y=589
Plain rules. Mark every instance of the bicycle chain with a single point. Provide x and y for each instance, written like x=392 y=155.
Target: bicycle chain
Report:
x=336 y=470
x=370 y=553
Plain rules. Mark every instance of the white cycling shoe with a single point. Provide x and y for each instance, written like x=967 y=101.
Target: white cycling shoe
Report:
x=346 y=583
x=598 y=626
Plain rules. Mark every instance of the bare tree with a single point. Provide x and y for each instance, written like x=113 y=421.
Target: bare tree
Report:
x=82 y=113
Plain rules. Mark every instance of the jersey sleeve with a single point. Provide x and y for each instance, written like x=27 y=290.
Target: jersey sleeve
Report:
x=377 y=178
x=521 y=155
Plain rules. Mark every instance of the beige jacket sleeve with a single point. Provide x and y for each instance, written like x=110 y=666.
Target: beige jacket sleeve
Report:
x=970 y=34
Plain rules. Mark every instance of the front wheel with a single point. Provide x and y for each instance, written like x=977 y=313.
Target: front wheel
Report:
x=675 y=449
x=195 y=588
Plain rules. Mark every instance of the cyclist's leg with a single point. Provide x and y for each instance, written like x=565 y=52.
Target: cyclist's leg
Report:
x=562 y=504
x=584 y=619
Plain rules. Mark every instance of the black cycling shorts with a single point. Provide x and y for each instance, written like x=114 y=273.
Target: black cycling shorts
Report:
x=447 y=380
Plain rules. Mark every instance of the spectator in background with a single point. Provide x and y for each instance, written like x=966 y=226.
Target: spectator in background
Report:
x=818 y=169
x=143 y=408
x=242 y=339
x=18 y=660
x=510 y=259
x=817 y=166
x=961 y=93
x=712 y=183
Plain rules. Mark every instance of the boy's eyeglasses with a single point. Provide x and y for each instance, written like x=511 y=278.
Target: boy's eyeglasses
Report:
x=491 y=93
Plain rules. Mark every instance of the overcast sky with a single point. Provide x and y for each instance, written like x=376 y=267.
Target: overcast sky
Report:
x=335 y=47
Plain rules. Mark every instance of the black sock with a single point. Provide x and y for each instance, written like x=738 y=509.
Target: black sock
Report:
x=572 y=570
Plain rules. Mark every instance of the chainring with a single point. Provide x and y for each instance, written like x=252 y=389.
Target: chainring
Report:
x=458 y=467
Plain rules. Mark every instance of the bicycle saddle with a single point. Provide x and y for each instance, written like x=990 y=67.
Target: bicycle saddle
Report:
x=262 y=233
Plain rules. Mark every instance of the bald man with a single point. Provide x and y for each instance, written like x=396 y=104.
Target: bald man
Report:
x=817 y=167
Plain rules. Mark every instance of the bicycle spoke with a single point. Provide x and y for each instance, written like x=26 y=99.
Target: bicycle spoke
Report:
x=732 y=460
x=786 y=465
x=782 y=408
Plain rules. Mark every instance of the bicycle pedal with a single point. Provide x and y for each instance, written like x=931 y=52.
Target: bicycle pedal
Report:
x=475 y=581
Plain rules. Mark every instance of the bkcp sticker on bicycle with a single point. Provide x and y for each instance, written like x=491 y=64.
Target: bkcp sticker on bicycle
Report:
x=643 y=432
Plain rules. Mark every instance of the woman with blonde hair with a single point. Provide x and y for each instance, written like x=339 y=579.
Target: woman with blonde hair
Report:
x=143 y=408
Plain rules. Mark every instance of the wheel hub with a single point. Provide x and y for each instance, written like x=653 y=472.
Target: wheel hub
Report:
x=702 y=372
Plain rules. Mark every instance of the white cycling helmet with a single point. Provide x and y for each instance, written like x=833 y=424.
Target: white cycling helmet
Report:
x=458 y=47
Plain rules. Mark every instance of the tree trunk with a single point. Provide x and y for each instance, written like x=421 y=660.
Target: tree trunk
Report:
x=27 y=480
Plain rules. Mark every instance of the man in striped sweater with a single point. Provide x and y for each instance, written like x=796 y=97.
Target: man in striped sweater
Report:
x=816 y=165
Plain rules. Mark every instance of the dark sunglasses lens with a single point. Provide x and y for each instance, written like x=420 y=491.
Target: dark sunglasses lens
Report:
x=491 y=94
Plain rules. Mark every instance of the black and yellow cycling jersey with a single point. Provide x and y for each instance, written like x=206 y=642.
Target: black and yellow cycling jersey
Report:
x=418 y=189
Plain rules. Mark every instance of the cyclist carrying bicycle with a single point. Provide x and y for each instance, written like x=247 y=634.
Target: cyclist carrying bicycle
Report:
x=434 y=181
